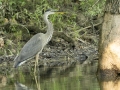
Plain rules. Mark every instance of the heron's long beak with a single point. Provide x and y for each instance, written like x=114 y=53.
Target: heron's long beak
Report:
x=60 y=12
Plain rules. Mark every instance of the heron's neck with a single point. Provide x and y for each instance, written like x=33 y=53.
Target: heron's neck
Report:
x=49 y=27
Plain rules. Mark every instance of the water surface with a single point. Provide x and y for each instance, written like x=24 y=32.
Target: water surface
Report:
x=79 y=77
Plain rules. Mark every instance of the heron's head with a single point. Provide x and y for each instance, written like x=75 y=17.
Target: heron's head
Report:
x=49 y=12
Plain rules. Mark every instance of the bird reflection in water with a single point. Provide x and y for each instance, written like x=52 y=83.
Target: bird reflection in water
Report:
x=19 y=86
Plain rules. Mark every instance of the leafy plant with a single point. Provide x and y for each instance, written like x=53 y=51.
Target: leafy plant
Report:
x=92 y=7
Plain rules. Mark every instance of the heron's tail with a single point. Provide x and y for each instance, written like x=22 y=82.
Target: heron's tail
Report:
x=16 y=62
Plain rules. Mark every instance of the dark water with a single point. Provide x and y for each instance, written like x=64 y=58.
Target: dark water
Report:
x=78 y=77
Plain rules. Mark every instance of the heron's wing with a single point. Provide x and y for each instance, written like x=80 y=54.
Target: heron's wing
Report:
x=31 y=48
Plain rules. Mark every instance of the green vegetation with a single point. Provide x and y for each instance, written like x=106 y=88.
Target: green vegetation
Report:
x=20 y=19
x=92 y=7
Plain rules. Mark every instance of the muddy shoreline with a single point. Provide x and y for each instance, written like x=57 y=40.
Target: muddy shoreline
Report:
x=55 y=56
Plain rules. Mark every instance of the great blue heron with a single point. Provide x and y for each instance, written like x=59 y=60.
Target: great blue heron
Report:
x=36 y=44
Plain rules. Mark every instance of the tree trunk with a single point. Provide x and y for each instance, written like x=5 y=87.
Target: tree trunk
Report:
x=109 y=47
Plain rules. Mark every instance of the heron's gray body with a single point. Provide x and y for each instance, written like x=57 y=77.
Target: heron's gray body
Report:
x=29 y=50
x=35 y=45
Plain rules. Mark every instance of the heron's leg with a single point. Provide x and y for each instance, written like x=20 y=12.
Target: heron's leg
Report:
x=36 y=74
x=36 y=63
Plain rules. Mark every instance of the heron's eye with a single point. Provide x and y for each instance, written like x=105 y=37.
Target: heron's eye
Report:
x=48 y=10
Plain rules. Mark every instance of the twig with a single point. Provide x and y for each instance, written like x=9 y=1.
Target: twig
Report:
x=87 y=27
x=95 y=3
x=82 y=40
